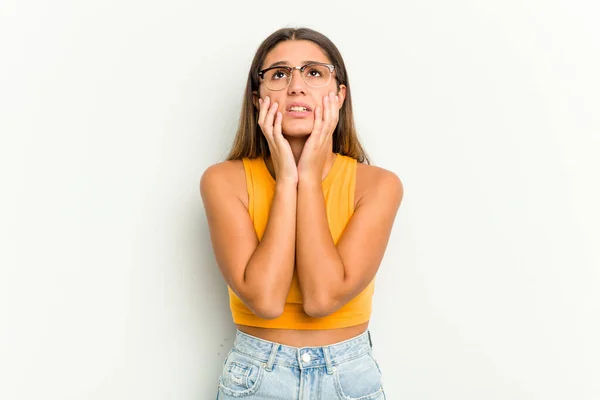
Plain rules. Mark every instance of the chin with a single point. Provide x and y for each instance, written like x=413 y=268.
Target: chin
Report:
x=304 y=128
x=296 y=134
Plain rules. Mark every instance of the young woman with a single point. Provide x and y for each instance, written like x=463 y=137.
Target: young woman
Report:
x=299 y=222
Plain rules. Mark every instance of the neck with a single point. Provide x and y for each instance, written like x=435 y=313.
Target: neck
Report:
x=297 y=145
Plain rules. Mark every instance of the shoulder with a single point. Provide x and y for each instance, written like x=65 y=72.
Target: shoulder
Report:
x=227 y=177
x=376 y=183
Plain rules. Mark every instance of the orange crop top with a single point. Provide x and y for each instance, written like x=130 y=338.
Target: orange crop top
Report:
x=338 y=188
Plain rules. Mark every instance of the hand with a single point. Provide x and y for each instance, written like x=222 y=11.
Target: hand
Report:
x=319 y=145
x=281 y=152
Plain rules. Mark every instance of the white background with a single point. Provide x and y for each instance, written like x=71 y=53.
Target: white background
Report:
x=488 y=111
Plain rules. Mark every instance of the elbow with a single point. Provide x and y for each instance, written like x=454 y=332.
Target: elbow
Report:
x=267 y=309
x=318 y=309
x=262 y=302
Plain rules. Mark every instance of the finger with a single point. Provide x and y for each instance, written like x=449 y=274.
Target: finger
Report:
x=264 y=106
x=326 y=115
x=332 y=110
x=318 y=121
x=268 y=126
x=277 y=125
x=335 y=114
x=332 y=114
x=332 y=106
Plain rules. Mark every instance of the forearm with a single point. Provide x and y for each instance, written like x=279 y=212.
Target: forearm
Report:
x=269 y=271
x=320 y=268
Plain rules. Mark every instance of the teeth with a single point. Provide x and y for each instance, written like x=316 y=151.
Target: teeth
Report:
x=298 y=109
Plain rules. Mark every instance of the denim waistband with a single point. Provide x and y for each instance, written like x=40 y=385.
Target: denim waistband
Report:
x=272 y=353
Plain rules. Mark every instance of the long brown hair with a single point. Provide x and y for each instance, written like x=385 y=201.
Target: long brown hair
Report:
x=249 y=140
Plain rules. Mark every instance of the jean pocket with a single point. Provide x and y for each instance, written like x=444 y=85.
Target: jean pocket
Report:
x=358 y=379
x=241 y=375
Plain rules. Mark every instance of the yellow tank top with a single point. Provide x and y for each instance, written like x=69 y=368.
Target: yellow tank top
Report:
x=338 y=188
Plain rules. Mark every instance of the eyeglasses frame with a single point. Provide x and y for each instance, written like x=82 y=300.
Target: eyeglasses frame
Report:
x=331 y=67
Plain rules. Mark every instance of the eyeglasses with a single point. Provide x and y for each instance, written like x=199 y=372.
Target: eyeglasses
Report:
x=314 y=74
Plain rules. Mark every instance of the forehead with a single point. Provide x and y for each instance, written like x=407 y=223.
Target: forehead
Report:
x=295 y=52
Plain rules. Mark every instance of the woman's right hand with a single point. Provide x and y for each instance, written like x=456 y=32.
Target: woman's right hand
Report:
x=282 y=157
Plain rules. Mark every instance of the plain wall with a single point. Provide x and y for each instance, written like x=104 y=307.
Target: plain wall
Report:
x=488 y=112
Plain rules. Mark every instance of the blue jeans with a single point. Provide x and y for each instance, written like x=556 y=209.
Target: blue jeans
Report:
x=259 y=369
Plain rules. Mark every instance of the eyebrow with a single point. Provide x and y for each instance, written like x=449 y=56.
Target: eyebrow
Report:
x=278 y=63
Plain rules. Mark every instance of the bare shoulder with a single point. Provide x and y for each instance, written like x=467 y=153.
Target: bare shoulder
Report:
x=224 y=178
x=378 y=183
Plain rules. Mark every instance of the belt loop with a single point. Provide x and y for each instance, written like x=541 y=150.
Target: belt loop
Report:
x=327 y=356
x=271 y=361
x=370 y=341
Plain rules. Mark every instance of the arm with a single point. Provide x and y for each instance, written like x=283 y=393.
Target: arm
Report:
x=331 y=276
x=260 y=273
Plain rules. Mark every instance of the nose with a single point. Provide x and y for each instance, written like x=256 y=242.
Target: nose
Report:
x=297 y=85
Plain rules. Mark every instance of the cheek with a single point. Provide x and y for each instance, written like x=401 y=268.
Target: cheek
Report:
x=274 y=96
x=319 y=96
x=318 y=99
x=277 y=98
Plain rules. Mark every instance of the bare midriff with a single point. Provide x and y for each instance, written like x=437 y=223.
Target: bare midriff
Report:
x=305 y=337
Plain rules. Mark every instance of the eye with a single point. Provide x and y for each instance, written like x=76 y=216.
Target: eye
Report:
x=314 y=72
x=277 y=74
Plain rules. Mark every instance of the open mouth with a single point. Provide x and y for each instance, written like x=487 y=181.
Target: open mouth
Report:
x=298 y=109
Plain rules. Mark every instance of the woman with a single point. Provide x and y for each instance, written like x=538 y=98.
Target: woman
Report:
x=299 y=223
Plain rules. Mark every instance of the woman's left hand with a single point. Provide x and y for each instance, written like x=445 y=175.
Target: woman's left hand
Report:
x=319 y=145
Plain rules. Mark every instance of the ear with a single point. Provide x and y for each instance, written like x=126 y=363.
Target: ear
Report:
x=255 y=98
x=341 y=95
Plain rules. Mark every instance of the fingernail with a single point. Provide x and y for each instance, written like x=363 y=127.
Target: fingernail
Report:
x=267 y=98
x=337 y=98
x=259 y=101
